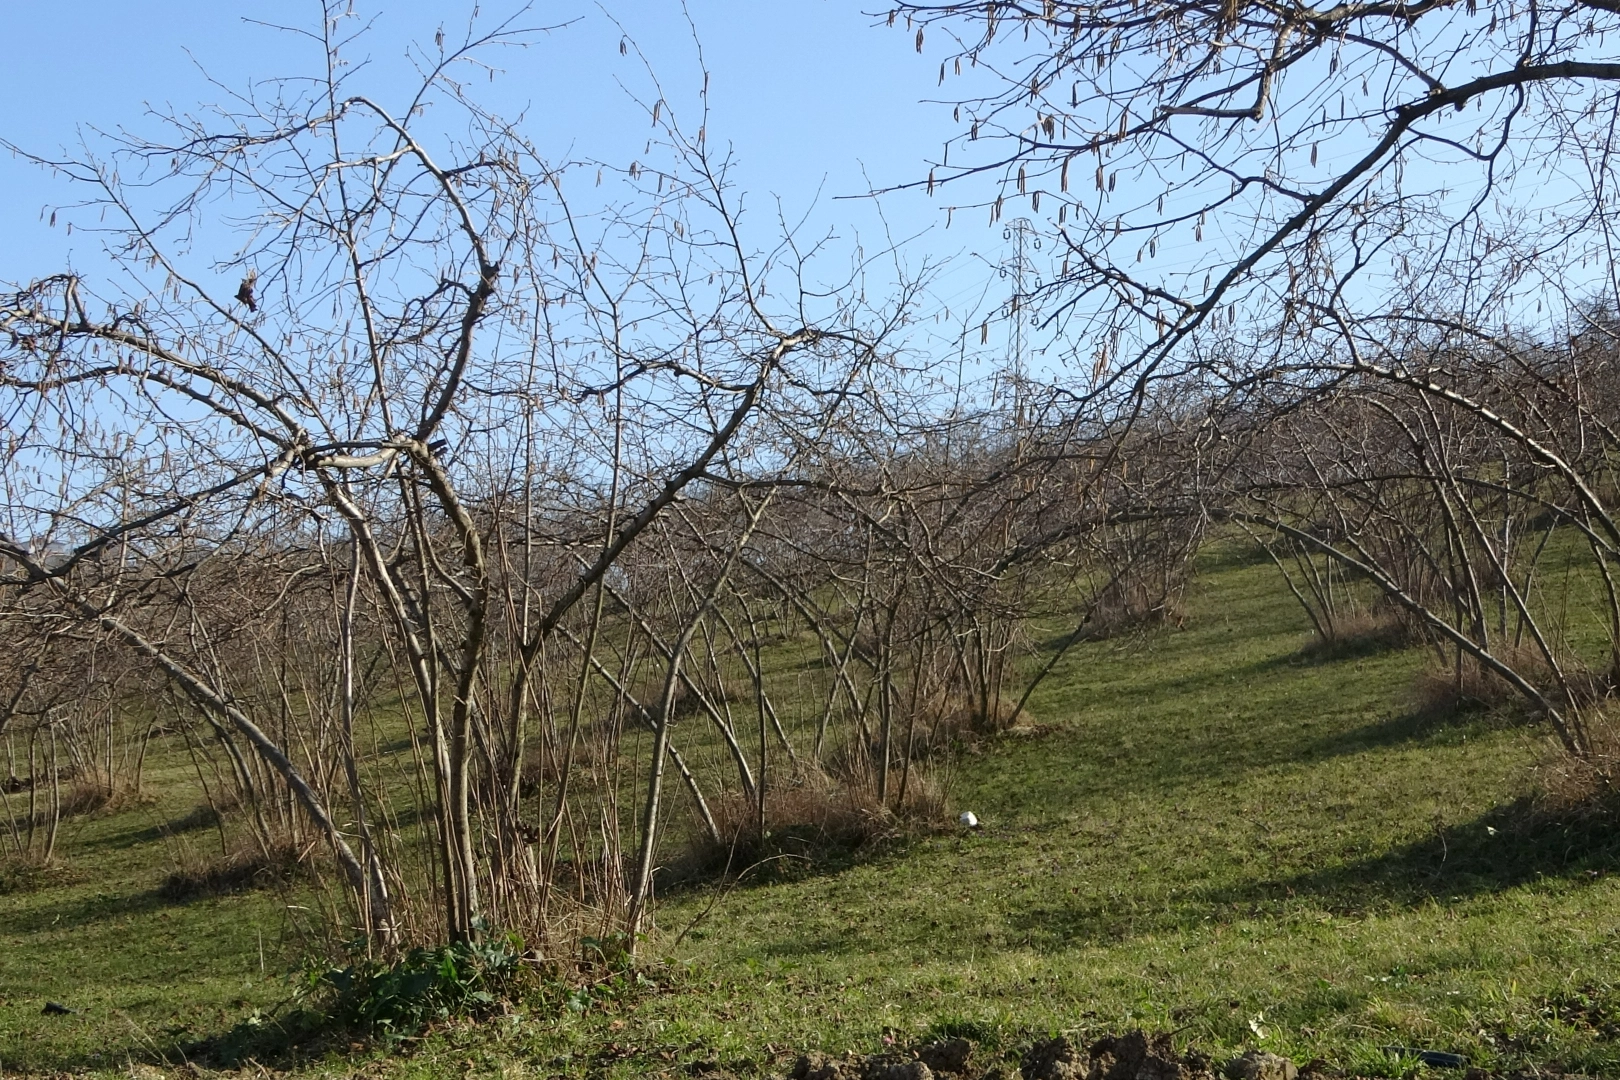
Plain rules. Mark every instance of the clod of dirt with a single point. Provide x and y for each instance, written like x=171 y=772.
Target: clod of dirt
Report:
x=893 y=1068
x=1134 y=1056
x=1259 y=1065
x=814 y=1066
x=1054 y=1059
x=946 y=1055
x=1137 y=1056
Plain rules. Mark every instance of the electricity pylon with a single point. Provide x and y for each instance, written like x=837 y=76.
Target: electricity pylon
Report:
x=1020 y=269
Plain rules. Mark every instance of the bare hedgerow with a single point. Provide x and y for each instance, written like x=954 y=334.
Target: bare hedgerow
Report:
x=473 y=456
x=1332 y=237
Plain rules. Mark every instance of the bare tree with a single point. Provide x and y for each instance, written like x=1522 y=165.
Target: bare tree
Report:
x=1373 y=242
x=1232 y=159
x=408 y=368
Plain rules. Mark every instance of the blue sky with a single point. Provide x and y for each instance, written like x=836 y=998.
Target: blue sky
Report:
x=817 y=99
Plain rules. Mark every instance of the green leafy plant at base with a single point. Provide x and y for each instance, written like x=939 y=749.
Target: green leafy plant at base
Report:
x=610 y=952
x=399 y=997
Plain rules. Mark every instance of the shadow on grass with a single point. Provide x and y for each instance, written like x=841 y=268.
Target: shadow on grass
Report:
x=83 y=911
x=1435 y=726
x=1508 y=847
x=1504 y=848
x=1167 y=760
x=1230 y=555
x=283 y=1040
x=197 y=819
x=1122 y=630
x=790 y=853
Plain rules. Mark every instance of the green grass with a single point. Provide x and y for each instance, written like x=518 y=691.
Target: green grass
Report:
x=1208 y=830
x=143 y=974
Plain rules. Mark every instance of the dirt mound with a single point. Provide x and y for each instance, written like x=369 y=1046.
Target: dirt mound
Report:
x=1135 y=1056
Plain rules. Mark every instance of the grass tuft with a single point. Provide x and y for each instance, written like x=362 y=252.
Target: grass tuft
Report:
x=812 y=823
x=247 y=868
x=1361 y=633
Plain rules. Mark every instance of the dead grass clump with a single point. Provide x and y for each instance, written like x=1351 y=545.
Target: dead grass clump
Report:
x=25 y=874
x=1437 y=692
x=79 y=796
x=649 y=691
x=1362 y=633
x=687 y=703
x=972 y=716
x=1132 y=604
x=1573 y=787
x=958 y=721
x=543 y=764
x=1466 y=684
x=811 y=820
x=242 y=870
x=89 y=795
x=1414 y=628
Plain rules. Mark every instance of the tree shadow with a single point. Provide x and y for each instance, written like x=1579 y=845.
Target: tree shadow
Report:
x=82 y=911
x=197 y=819
x=1230 y=554
x=1367 y=639
x=1315 y=652
x=1169 y=760
x=1508 y=847
x=791 y=853
x=397 y=745
x=1419 y=725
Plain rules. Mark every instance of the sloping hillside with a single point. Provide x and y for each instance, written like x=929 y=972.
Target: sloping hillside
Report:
x=1212 y=830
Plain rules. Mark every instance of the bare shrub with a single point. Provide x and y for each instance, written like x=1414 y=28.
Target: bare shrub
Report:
x=25 y=875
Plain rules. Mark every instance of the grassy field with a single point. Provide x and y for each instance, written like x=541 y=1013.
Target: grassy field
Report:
x=1210 y=830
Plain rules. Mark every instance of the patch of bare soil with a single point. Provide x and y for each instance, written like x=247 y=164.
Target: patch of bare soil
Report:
x=1136 y=1055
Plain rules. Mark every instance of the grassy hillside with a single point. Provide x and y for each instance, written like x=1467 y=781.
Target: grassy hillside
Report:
x=1211 y=830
